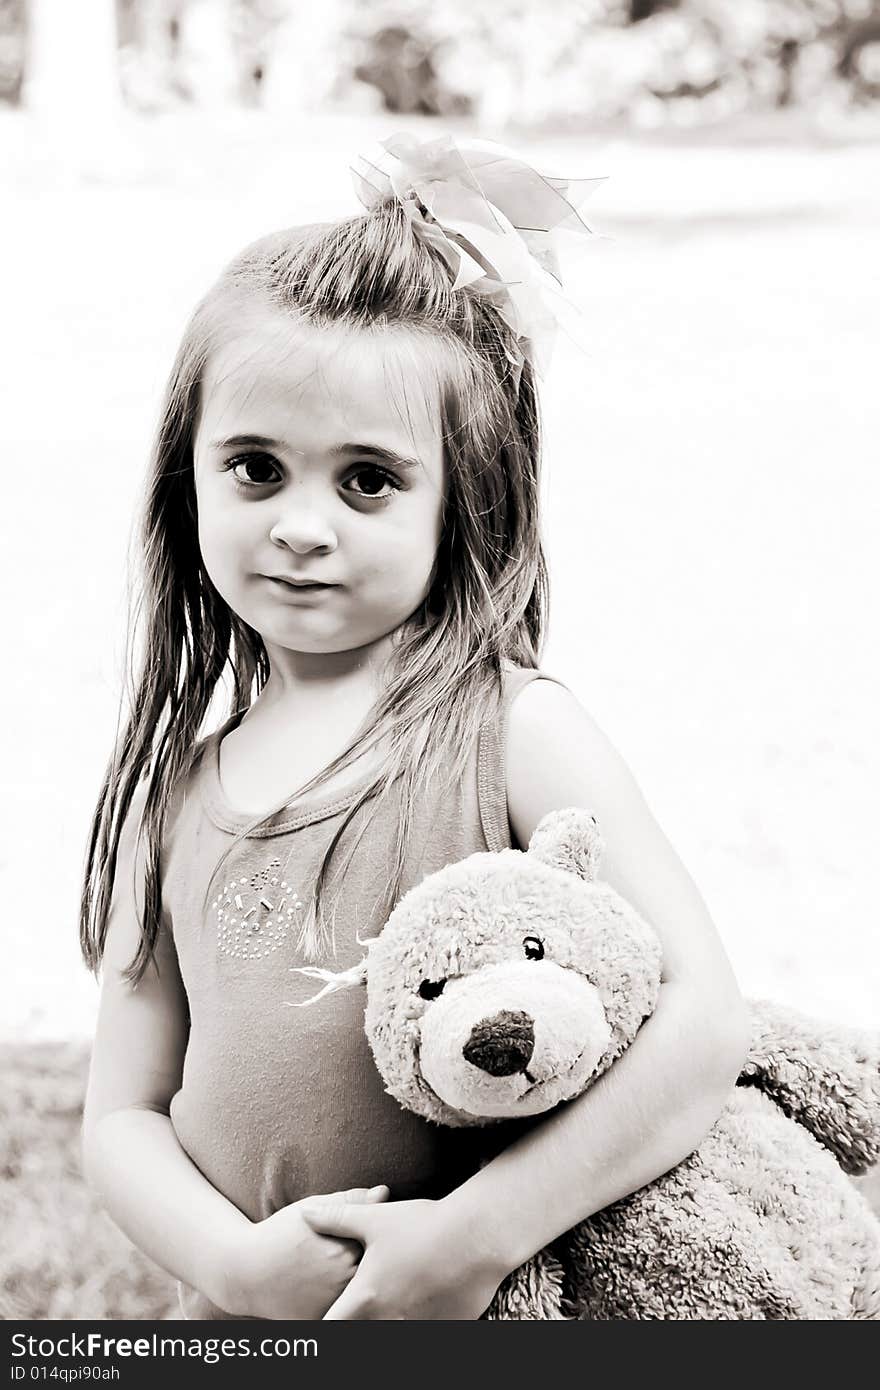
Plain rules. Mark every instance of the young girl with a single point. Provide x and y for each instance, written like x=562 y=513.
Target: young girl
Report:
x=343 y=508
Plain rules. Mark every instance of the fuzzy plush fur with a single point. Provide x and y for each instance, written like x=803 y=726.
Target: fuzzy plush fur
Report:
x=507 y=983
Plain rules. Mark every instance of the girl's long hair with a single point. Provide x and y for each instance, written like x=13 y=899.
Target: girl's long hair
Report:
x=487 y=597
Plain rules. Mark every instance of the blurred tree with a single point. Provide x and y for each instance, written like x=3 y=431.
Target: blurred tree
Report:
x=149 y=36
x=643 y=9
x=399 y=63
x=506 y=62
x=177 y=51
x=462 y=57
x=289 y=53
x=71 y=75
x=12 y=50
x=257 y=34
x=206 y=55
x=859 y=61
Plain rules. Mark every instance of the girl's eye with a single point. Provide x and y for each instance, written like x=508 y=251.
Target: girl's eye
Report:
x=374 y=482
x=249 y=470
x=533 y=947
x=369 y=481
x=431 y=989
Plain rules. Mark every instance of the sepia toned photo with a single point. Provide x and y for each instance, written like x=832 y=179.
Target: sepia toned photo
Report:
x=440 y=571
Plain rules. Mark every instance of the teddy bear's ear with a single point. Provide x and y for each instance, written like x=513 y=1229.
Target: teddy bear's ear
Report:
x=570 y=840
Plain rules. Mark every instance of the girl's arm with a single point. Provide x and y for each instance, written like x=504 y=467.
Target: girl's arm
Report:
x=138 y=1170
x=641 y=1118
x=658 y=1101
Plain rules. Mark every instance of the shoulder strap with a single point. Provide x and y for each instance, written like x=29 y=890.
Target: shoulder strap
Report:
x=491 y=780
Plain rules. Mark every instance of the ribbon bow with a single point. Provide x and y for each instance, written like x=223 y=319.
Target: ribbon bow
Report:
x=492 y=217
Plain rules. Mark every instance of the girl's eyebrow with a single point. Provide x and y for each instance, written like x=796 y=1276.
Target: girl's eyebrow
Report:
x=236 y=441
x=262 y=441
x=376 y=451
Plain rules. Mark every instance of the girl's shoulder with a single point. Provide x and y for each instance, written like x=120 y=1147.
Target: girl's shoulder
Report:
x=184 y=791
x=546 y=722
x=556 y=755
x=515 y=679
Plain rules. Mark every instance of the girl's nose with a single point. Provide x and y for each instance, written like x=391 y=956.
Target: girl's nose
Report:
x=302 y=529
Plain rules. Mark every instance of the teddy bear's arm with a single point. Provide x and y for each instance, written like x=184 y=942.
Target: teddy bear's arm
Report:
x=824 y=1076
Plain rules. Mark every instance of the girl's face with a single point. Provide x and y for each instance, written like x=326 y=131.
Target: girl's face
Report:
x=319 y=480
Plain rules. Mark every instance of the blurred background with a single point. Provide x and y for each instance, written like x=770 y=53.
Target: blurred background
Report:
x=711 y=445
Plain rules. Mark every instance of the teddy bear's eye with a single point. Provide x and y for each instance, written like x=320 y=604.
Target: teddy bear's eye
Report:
x=533 y=947
x=431 y=989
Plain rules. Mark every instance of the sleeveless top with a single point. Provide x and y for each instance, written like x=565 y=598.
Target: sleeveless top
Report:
x=278 y=1102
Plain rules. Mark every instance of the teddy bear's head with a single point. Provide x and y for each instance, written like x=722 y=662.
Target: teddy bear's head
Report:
x=506 y=983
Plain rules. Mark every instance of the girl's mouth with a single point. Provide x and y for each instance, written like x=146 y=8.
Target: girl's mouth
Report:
x=300 y=585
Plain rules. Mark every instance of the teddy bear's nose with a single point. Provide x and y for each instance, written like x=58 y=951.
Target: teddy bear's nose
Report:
x=501 y=1045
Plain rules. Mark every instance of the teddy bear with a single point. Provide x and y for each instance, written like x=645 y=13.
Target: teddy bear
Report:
x=504 y=985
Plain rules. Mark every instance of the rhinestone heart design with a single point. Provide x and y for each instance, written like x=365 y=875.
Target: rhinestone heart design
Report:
x=254 y=915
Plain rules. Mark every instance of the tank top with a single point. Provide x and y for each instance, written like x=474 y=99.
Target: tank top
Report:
x=279 y=1102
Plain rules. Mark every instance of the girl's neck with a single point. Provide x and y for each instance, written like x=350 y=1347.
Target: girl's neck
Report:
x=298 y=679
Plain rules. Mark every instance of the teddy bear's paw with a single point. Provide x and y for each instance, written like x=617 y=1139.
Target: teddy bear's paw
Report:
x=826 y=1076
x=532 y=1293
x=569 y=839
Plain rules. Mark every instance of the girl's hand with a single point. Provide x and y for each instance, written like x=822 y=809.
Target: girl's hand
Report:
x=283 y=1269
x=417 y=1263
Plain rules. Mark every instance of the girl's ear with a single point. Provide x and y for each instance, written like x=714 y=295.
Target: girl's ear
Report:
x=569 y=839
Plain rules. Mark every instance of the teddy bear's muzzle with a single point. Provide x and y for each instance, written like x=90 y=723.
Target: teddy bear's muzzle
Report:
x=512 y=1038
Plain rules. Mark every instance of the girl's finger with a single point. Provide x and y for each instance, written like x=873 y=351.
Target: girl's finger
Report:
x=366 y=1194
x=351 y=1194
x=337 y=1218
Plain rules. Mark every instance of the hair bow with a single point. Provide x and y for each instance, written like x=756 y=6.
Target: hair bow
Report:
x=492 y=217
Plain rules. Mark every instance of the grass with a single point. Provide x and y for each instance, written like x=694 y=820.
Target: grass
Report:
x=62 y=1258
